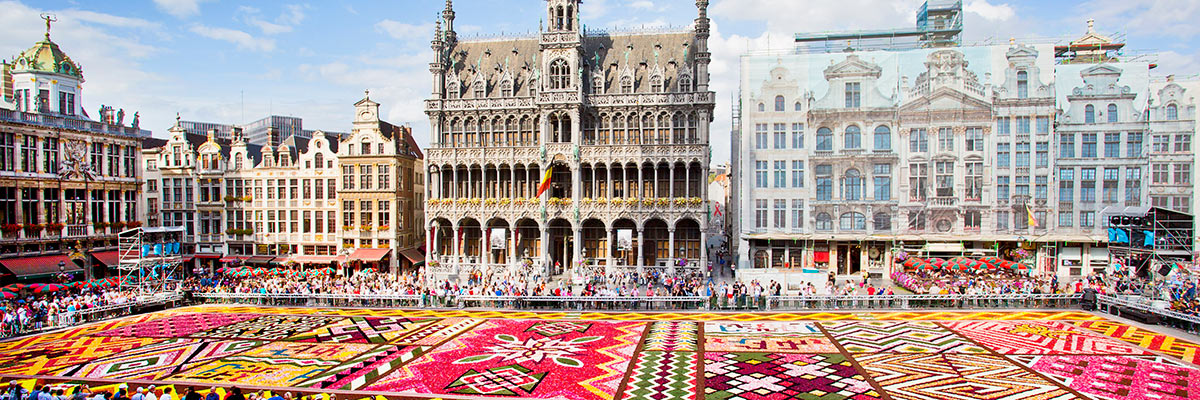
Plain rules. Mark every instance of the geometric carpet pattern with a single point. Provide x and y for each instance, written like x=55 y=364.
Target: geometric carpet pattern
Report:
x=419 y=354
x=899 y=337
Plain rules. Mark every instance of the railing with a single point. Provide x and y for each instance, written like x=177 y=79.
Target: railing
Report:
x=317 y=300
x=744 y=302
x=1112 y=301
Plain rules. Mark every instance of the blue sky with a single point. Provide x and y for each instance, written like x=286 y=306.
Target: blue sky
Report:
x=237 y=61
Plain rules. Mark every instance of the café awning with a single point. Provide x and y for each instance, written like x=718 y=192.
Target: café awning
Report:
x=30 y=267
x=413 y=255
x=369 y=255
x=108 y=258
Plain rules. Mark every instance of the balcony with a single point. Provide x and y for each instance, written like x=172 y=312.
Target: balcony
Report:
x=943 y=201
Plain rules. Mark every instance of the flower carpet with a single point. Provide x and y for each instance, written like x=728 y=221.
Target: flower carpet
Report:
x=465 y=354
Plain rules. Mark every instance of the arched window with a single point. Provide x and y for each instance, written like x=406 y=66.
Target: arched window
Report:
x=852 y=185
x=506 y=88
x=533 y=87
x=597 y=84
x=852 y=221
x=1172 y=112
x=797 y=106
x=626 y=84
x=883 y=222
x=824 y=222
x=319 y=159
x=762 y=107
x=478 y=90
x=237 y=164
x=778 y=103
x=883 y=138
x=685 y=83
x=656 y=83
x=1089 y=114
x=824 y=139
x=853 y=138
x=452 y=90
x=1022 y=84
x=1112 y=113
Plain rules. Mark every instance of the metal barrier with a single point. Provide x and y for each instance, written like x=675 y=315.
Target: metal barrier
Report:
x=601 y=303
x=324 y=300
x=93 y=314
x=1109 y=302
x=924 y=301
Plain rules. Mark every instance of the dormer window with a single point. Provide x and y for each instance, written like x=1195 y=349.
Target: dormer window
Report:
x=477 y=91
x=853 y=94
x=506 y=88
x=626 y=84
x=452 y=90
x=598 y=84
x=366 y=148
x=319 y=159
x=685 y=83
x=656 y=84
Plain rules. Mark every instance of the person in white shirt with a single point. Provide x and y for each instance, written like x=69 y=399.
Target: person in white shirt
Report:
x=150 y=394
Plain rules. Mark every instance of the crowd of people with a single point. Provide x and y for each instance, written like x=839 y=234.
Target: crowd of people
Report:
x=34 y=312
x=974 y=282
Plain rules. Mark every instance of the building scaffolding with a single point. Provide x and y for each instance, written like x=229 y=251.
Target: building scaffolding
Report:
x=150 y=260
x=1149 y=240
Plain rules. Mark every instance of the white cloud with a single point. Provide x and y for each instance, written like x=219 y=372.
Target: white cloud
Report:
x=1150 y=17
x=402 y=31
x=991 y=12
x=109 y=19
x=179 y=8
x=641 y=4
x=243 y=40
x=287 y=20
x=593 y=9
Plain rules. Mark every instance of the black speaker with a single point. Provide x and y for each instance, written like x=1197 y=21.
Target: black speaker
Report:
x=1114 y=220
x=1125 y=220
x=1164 y=270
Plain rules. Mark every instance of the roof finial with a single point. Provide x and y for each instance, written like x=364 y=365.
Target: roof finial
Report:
x=177 y=120
x=1091 y=25
x=49 y=18
x=367 y=94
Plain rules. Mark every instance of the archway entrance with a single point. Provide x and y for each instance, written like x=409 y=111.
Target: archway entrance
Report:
x=561 y=245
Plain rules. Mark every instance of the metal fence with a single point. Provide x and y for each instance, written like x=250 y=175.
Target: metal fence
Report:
x=649 y=303
x=1171 y=317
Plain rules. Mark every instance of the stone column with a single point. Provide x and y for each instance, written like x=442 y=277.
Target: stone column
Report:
x=456 y=251
x=577 y=245
x=454 y=183
x=671 y=183
x=485 y=251
x=512 y=254
x=640 y=250
x=704 y=252
x=608 y=247
x=543 y=254
x=671 y=245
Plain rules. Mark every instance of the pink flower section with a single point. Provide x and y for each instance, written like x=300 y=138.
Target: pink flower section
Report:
x=524 y=358
x=1115 y=377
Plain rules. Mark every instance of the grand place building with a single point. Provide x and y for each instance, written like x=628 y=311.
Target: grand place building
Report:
x=616 y=124
x=847 y=158
x=69 y=181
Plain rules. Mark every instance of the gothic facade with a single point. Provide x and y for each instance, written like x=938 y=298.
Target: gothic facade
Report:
x=615 y=124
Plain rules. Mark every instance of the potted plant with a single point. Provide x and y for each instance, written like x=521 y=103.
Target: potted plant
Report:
x=33 y=229
x=247 y=198
x=10 y=228
x=365 y=228
x=348 y=228
x=385 y=227
x=56 y=228
x=133 y=224
x=647 y=202
x=100 y=224
x=119 y=224
x=490 y=202
x=231 y=198
x=505 y=201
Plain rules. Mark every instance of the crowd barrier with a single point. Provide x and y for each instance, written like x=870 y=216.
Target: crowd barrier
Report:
x=1112 y=305
x=649 y=303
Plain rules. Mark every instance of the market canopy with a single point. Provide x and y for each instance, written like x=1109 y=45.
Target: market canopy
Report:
x=369 y=255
